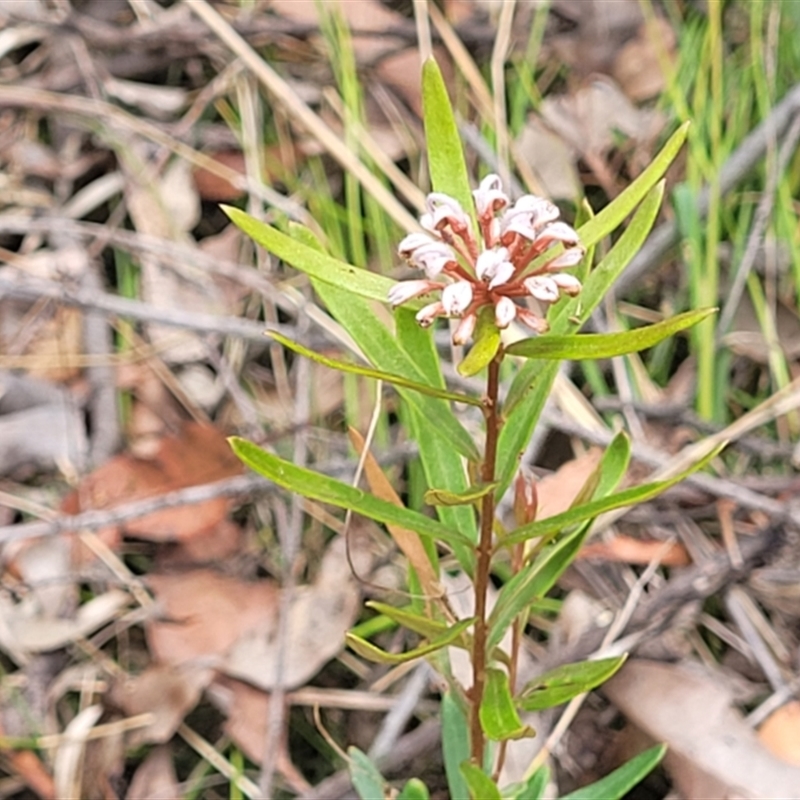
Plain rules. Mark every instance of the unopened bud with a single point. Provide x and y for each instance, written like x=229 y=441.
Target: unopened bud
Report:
x=526 y=499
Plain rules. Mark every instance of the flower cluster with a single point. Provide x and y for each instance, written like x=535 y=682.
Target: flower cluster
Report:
x=493 y=269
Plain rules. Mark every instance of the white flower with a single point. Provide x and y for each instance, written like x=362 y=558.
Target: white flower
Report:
x=489 y=196
x=428 y=314
x=443 y=210
x=505 y=310
x=432 y=258
x=542 y=287
x=403 y=291
x=456 y=298
x=492 y=268
x=464 y=330
x=489 y=261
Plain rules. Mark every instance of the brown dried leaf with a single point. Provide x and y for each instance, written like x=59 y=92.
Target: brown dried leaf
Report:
x=558 y=491
x=199 y=455
x=590 y=118
x=247 y=710
x=204 y=613
x=208 y=614
x=167 y=692
x=369 y=21
x=636 y=551
x=319 y=617
x=408 y=541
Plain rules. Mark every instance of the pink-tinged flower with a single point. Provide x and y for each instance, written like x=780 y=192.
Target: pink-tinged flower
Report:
x=490 y=197
x=465 y=328
x=456 y=298
x=493 y=267
x=426 y=316
x=403 y=291
x=432 y=258
x=443 y=211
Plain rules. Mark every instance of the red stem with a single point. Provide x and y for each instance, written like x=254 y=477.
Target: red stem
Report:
x=491 y=413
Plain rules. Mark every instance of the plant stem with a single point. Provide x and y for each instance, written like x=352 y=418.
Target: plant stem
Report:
x=491 y=413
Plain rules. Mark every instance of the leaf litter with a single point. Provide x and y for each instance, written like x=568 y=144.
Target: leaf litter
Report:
x=136 y=126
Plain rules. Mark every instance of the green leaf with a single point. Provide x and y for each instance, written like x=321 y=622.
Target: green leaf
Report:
x=455 y=744
x=616 y=785
x=328 y=490
x=498 y=714
x=561 y=684
x=535 y=786
x=485 y=346
x=367 y=780
x=479 y=785
x=581 y=347
x=533 y=581
x=531 y=584
x=627 y=497
x=443 y=466
x=531 y=386
x=614 y=464
x=419 y=623
x=414 y=789
x=442 y=497
x=382 y=349
x=311 y=260
x=615 y=212
x=368 y=650
x=368 y=372
x=445 y=153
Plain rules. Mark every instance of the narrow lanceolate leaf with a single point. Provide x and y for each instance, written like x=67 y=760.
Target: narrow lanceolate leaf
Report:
x=535 y=580
x=617 y=784
x=479 y=785
x=442 y=497
x=370 y=651
x=419 y=623
x=498 y=714
x=614 y=213
x=614 y=464
x=532 y=583
x=368 y=372
x=310 y=260
x=320 y=487
x=531 y=385
x=582 y=347
x=485 y=346
x=455 y=743
x=445 y=153
x=627 y=497
x=367 y=780
x=561 y=684
x=381 y=348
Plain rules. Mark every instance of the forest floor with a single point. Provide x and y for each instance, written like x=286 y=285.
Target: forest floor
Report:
x=145 y=573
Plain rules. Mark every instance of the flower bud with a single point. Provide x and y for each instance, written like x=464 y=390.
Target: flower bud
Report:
x=526 y=499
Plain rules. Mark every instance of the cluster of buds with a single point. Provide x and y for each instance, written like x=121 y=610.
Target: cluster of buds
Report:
x=494 y=269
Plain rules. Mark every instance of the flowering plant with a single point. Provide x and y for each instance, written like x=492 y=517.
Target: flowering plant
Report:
x=490 y=263
x=494 y=271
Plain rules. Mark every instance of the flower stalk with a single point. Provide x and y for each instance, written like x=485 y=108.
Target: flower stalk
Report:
x=491 y=412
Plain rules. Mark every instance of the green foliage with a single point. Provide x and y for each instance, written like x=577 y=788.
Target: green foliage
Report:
x=565 y=682
x=616 y=785
x=605 y=345
x=498 y=712
x=465 y=480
